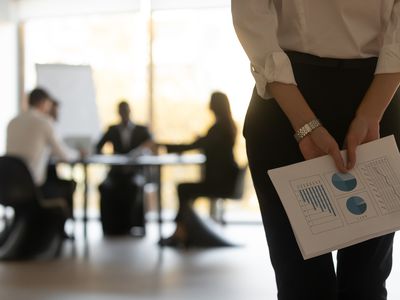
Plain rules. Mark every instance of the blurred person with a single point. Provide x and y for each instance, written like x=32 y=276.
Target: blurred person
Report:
x=31 y=136
x=126 y=135
x=121 y=207
x=220 y=173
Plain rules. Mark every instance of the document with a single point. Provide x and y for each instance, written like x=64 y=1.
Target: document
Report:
x=329 y=210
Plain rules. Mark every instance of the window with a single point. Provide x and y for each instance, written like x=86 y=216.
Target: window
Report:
x=8 y=78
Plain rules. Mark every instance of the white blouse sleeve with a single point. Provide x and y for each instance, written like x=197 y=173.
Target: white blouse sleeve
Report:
x=389 y=56
x=256 y=24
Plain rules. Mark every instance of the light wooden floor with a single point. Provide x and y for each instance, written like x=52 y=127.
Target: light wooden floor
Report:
x=129 y=268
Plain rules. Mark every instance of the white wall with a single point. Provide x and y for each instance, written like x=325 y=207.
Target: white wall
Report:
x=8 y=78
x=5 y=10
x=183 y=4
x=27 y=9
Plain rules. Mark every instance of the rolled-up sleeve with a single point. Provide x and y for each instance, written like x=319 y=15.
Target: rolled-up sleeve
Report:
x=389 y=56
x=256 y=23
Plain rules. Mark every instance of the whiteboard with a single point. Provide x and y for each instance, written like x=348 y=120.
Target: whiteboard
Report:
x=73 y=87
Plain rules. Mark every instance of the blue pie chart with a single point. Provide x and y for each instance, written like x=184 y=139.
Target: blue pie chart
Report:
x=356 y=205
x=344 y=182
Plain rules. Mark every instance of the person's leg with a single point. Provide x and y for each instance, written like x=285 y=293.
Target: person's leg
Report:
x=52 y=191
x=67 y=189
x=270 y=143
x=191 y=230
x=60 y=188
x=187 y=193
x=335 y=100
x=362 y=269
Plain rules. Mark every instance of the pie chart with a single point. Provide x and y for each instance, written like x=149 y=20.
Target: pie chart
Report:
x=356 y=205
x=344 y=182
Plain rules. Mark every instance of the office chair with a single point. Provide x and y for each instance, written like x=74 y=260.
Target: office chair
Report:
x=35 y=230
x=217 y=204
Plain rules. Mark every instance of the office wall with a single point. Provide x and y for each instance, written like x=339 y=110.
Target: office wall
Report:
x=8 y=78
x=28 y=9
x=188 y=4
x=5 y=10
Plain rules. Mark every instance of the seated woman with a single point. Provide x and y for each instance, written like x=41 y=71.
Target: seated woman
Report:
x=219 y=177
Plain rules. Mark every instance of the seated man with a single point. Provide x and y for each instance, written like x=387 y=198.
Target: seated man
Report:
x=121 y=208
x=31 y=136
x=52 y=178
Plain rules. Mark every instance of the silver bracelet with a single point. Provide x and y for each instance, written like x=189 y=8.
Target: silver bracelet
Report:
x=306 y=129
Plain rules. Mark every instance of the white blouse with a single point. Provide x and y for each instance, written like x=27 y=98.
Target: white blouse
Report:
x=326 y=28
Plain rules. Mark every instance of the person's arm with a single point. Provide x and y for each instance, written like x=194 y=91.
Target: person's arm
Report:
x=365 y=126
x=319 y=142
x=58 y=148
x=103 y=140
x=198 y=143
x=255 y=22
x=148 y=142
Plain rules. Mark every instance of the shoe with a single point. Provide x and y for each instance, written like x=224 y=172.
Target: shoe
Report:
x=173 y=242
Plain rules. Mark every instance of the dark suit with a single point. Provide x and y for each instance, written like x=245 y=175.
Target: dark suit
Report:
x=139 y=135
x=121 y=203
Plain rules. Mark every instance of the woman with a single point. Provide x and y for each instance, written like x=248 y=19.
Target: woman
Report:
x=327 y=72
x=219 y=177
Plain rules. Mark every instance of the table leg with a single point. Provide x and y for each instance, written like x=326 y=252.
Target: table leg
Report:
x=159 y=204
x=85 y=199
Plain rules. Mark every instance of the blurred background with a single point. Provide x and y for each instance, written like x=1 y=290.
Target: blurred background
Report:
x=164 y=57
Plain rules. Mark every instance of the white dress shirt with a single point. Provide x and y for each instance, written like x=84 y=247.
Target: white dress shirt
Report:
x=32 y=137
x=126 y=134
x=325 y=28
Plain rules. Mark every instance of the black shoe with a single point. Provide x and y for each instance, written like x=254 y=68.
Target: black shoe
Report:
x=172 y=241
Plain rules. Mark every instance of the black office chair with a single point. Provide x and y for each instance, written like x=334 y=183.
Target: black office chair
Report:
x=217 y=204
x=36 y=229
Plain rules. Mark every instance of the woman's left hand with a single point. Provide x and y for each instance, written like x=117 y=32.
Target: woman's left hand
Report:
x=362 y=130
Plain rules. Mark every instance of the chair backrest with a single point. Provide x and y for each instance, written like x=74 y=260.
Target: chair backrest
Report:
x=16 y=184
x=239 y=184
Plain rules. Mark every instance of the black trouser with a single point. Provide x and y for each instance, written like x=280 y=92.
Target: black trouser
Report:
x=188 y=192
x=333 y=89
x=59 y=188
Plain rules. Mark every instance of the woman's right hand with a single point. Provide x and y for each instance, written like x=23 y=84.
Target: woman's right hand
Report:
x=318 y=143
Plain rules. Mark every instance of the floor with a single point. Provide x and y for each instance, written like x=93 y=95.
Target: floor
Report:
x=135 y=268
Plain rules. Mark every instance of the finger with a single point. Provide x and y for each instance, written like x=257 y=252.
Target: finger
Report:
x=351 y=153
x=338 y=159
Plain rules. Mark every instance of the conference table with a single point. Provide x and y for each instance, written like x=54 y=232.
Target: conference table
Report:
x=143 y=163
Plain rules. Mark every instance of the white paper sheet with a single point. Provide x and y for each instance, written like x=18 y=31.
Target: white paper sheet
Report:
x=329 y=210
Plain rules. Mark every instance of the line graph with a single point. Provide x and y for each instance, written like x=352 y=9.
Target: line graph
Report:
x=383 y=183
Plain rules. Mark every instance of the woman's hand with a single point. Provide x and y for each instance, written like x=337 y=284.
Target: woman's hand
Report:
x=318 y=143
x=362 y=130
x=365 y=126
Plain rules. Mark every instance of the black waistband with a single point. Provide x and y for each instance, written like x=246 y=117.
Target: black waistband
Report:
x=354 y=63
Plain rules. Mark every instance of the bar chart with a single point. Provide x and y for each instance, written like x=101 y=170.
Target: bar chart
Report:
x=316 y=204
